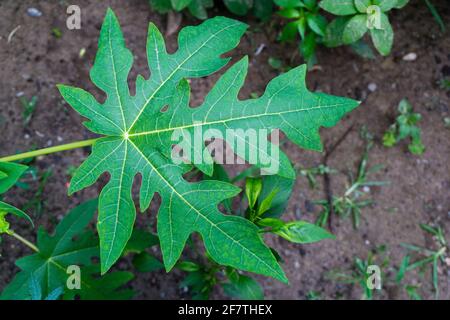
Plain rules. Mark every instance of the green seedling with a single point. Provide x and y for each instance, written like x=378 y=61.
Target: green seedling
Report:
x=355 y=195
x=29 y=107
x=430 y=257
x=358 y=17
x=405 y=127
x=361 y=274
x=311 y=173
x=435 y=13
x=198 y=8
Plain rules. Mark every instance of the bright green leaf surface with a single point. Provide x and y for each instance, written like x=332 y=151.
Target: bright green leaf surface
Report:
x=383 y=38
x=9 y=174
x=138 y=139
x=303 y=232
x=355 y=29
x=339 y=7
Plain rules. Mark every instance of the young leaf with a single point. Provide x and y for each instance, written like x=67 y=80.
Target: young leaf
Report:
x=282 y=188
x=253 y=187
x=6 y=208
x=383 y=38
x=10 y=174
x=303 y=232
x=339 y=7
x=355 y=28
x=139 y=139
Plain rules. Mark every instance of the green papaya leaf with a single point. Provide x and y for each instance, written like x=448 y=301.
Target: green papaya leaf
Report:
x=71 y=245
x=55 y=254
x=10 y=173
x=138 y=139
x=339 y=7
x=303 y=232
x=383 y=38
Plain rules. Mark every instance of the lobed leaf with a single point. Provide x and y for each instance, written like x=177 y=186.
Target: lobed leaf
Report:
x=138 y=139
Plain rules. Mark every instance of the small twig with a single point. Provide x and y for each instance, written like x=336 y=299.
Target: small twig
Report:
x=12 y=33
x=327 y=178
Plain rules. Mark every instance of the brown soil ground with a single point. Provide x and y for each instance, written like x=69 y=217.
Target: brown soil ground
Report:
x=34 y=61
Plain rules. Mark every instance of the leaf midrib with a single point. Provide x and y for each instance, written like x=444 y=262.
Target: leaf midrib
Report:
x=201 y=124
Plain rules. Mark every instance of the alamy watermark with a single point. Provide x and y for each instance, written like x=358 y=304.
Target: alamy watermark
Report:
x=250 y=145
x=374 y=277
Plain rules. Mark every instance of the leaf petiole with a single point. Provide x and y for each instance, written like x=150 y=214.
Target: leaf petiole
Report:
x=41 y=152
x=24 y=241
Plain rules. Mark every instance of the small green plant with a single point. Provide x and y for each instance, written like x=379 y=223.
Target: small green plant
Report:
x=358 y=17
x=360 y=273
x=404 y=127
x=355 y=195
x=311 y=173
x=29 y=106
x=430 y=257
x=198 y=8
x=305 y=21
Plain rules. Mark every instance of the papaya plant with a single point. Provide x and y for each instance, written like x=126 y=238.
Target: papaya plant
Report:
x=358 y=17
x=135 y=137
x=44 y=273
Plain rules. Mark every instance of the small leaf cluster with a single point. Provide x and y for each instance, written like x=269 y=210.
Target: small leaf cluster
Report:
x=405 y=126
x=262 y=9
x=358 y=17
